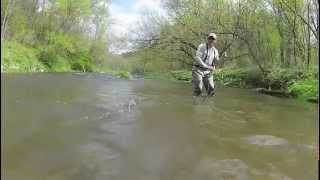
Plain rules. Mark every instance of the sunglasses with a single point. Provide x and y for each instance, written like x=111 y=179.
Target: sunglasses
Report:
x=211 y=38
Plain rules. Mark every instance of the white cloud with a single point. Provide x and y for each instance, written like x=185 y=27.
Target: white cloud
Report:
x=121 y=20
x=125 y=20
x=147 y=4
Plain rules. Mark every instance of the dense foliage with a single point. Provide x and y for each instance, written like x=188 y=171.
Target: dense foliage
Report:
x=62 y=35
x=271 y=44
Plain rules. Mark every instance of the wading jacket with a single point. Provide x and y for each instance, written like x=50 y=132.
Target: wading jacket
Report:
x=205 y=57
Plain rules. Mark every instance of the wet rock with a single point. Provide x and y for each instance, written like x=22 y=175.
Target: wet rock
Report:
x=275 y=174
x=84 y=118
x=278 y=176
x=105 y=116
x=270 y=172
x=266 y=140
x=222 y=169
x=240 y=112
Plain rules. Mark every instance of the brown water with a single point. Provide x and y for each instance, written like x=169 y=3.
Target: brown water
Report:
x=94 y=126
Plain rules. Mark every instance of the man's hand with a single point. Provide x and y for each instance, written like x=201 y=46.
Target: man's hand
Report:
x=211 y=68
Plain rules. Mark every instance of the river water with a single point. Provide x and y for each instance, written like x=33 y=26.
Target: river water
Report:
x=98 y=127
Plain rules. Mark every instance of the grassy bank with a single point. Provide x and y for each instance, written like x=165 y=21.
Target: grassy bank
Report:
x=17 y=57
x=295 y=83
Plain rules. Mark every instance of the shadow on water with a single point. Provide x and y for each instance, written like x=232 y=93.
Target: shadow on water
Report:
x=95 y=126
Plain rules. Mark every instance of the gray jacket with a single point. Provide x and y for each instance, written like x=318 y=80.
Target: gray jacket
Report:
x=205 y=57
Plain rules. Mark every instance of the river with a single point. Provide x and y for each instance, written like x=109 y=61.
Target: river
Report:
x=98 y=127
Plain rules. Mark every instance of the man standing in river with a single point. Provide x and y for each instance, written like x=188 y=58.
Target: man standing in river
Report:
x=206 y=58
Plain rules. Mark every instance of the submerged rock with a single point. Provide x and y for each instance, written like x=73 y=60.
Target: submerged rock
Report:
x=222 y=169
x=266 y=140
x=234 y=169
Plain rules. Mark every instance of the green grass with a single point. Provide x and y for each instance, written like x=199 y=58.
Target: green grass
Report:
x=305 y=88
x=122 y=74
x=16 y=57
x=300 y=84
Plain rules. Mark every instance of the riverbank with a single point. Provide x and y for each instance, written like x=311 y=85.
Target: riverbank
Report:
x=301 y=84
x=283 y=83
x=279 y=82
x=17 y=57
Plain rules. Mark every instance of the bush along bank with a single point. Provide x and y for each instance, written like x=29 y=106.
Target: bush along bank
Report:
x=20 y=58
x=278 y=82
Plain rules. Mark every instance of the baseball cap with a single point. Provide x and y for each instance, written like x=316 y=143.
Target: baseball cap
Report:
x=212 y=35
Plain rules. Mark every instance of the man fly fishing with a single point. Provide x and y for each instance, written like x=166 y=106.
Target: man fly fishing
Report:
x=206 y=58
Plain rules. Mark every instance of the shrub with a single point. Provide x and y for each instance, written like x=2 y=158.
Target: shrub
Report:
x=18 y=58
x=238 y=77
x=122 y=74
x=182 y=75
x=304 y=88
x=60 y=65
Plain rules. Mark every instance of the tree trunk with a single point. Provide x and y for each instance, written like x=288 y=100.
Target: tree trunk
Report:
x=255 y=59
x=33 y=12
x=308 y=40
x=4 y=24
x=282 y=53
x=294 y=34
x=278 y=12
x=288 y=52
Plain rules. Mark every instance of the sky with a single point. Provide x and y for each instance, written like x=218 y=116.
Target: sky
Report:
x=125 y=15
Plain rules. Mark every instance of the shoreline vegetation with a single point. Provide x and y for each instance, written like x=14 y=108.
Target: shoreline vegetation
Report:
x=281 y=82
x=272 y=50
